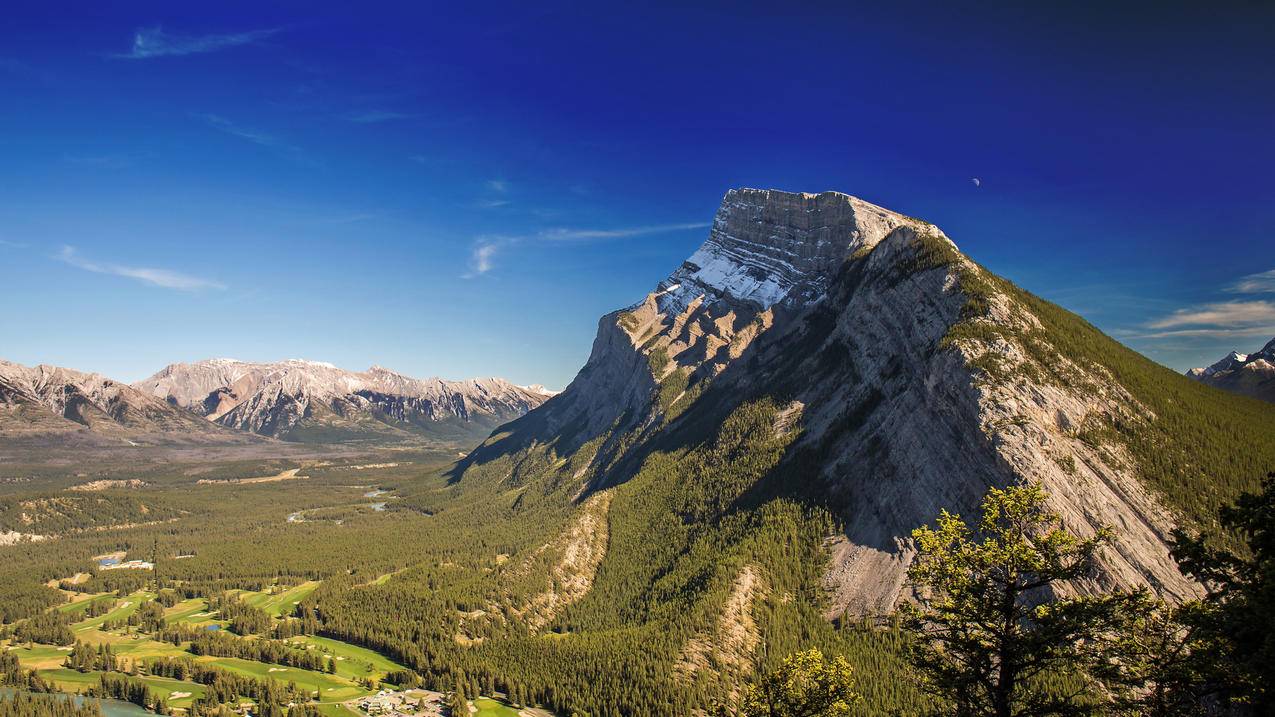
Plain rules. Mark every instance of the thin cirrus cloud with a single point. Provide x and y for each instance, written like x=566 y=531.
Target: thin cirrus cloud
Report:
x=151 y=42
x=1260 y=283
x=1217 y=320
x=221 y=124
x=483 y=254
x=163 y=278
x=564 y=234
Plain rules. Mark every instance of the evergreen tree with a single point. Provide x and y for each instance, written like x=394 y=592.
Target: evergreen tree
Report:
x=1234 y=625
x=990 y=640
x=459 y=705
x=805 y=684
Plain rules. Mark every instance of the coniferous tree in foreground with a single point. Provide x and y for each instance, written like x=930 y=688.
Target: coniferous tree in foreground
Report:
x=1234 y=626
x=990 y=637
x=806 y=684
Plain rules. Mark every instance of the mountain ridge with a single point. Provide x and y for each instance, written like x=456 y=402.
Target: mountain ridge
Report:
x=307 y=400
x=225 y=400
x=45 y=399
x=1245 y=374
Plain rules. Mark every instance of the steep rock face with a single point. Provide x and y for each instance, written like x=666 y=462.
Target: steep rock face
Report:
x=1246 y=374
x=767 y=252
x=766 y=247
x=918 y=380
x=44 y=398
x=305 y=400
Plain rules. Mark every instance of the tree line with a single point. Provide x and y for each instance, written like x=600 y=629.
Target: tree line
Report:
x=992 y=636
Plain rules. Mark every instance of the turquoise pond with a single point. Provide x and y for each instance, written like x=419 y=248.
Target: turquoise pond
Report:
x=110 y=708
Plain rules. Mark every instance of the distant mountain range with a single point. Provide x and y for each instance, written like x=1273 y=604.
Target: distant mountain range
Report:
x=229 y=400
x=1246 y=374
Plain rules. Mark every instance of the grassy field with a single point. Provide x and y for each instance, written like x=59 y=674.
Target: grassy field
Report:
x=488 y=707
x=331 y=688
x=69 y=680
x=282 y=602
x=126 y=607
x=41 y=657
x=352 y=662
x=79 y=606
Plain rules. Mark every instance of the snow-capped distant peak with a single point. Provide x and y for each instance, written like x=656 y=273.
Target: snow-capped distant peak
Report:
x=539 y=390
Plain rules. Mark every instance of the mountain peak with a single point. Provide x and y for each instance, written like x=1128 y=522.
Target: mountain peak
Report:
x=768 y=246
x=1247 y=374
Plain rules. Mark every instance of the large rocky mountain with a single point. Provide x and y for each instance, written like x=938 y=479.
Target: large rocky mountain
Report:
x=50 y=401
x=823 y=356
x=1246 y=374
x=318 y=402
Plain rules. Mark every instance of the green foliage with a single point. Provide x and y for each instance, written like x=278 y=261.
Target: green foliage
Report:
x=805 y=684
x=50 y=628
x=990 y=638
x=26 y=705
x=1235 y=625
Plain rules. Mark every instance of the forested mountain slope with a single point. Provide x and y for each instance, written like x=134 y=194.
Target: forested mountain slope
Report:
x=747 y=450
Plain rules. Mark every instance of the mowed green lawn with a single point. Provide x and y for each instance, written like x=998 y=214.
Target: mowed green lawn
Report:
x=40 y=656
x=282 y=602
x=78 y=607
x=331 y=688
x=126 y=607
x=69 y=680
x=187 y=611
x=353 y=661
x=487 y=707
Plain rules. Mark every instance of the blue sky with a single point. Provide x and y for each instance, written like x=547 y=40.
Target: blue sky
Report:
x=459 y=191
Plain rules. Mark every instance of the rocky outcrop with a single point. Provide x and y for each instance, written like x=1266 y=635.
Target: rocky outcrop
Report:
x=1246 y=374
x=307 y=400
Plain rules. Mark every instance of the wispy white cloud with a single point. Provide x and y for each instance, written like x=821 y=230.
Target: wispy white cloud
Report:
x=12 y=244
x=1260 y=283
x=375 y=116
x=482 y=256
x=1224 y=314
x=486 y=248
x=491 y=203
x=164 y=278
x=498 y=185
x=224 y=125
x=1261 y=331
x=221 y=124
x=152 y=42
x=566 y=234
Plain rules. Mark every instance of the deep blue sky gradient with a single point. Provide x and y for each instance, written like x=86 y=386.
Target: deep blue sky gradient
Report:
x=461 y=191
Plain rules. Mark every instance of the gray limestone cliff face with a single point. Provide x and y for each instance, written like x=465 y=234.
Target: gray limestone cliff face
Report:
x=767 y=246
